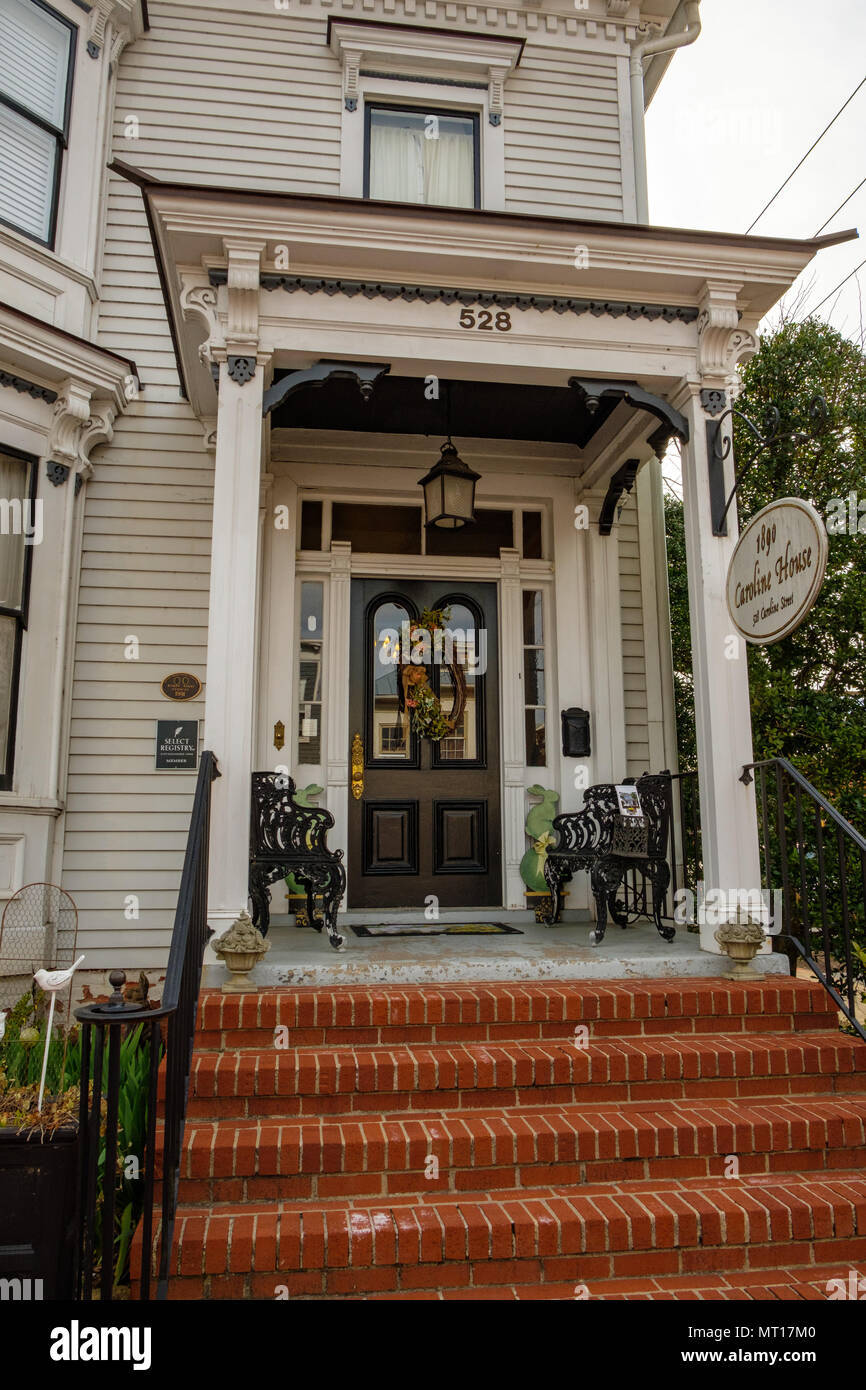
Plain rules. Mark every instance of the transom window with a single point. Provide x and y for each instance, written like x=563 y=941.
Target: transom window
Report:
x=413 y=155
x=36 y=48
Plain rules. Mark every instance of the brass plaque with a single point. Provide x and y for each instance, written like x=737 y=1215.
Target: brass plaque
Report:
x=180 y=685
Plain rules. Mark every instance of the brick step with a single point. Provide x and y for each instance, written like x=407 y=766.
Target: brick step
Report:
x=259 y=1160
x=308 y=1081
x=814 y=1284
x=604 y=1232
x=445 y=1014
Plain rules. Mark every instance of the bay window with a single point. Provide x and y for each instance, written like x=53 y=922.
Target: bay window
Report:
x=36 y=60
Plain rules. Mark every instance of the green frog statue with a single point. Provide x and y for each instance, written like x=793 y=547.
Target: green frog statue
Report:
x=539 y=828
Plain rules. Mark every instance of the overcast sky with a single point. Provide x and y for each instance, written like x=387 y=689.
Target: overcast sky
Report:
x=738 y=109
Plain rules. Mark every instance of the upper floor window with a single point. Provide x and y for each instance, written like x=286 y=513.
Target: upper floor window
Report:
x=414 y=155
x=36 y=59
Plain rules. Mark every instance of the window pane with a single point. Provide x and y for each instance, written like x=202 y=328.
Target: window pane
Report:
x=34 y=59
x=311 y=525
x=486 y=536
x=15 y=517
x=310 y=674
x=533 y=676
x=536 y=755
x=391 y=736
x=533 y=618
x=381 y=530
x=461 y=642
x=28 y=162
x=8 y=632
x=422 y=157
x=532 y=536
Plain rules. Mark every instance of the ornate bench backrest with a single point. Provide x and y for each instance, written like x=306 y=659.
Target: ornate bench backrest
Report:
x=279 y=826
x=594 y=829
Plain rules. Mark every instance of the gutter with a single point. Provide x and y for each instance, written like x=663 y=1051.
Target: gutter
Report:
x=664 y=43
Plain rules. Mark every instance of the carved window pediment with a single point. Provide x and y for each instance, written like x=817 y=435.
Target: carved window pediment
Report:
x=412 y=52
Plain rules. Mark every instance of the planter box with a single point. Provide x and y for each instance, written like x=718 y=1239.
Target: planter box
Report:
x=38 y=1200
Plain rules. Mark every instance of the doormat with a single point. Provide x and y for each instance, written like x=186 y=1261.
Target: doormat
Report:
x=437 y=929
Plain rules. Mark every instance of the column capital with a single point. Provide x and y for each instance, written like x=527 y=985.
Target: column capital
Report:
x=725 y=336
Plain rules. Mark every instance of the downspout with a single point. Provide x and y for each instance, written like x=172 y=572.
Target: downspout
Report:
x=665 y=43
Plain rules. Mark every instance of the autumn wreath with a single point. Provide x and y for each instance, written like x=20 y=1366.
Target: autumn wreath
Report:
x=420 y=701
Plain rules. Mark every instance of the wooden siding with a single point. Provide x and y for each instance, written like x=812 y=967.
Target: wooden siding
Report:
x=254 y=100
x=145 y=571
x=633 y=650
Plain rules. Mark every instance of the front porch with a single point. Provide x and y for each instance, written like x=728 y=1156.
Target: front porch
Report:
x=540 y=953
x=562 y=401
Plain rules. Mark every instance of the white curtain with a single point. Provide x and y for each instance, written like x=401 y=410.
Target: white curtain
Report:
x=13 y=484
x=407 y=167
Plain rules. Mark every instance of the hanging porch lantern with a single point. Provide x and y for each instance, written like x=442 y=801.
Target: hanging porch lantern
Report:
x=449 y=491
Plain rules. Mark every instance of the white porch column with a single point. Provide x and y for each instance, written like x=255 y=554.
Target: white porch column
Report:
x=232 y=616
x=729 y=827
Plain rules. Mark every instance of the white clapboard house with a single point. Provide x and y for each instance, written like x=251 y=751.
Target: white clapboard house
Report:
x=260 y=262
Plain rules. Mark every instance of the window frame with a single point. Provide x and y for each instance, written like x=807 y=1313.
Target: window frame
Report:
x=60 y=135
x=7 y=764
x=379 y=104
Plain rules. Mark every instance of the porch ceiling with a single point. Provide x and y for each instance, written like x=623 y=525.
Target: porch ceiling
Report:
x=477 y=410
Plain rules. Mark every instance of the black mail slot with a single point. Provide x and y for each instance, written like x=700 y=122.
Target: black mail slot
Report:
x=575 y=733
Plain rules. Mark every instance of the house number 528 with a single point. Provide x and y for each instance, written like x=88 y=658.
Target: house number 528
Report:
x=486 y=319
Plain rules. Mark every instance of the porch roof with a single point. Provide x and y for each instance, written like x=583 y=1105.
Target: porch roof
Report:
x=484 y=252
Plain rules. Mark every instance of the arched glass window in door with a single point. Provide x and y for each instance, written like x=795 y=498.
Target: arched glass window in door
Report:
x=459 y=675
x=391 y=735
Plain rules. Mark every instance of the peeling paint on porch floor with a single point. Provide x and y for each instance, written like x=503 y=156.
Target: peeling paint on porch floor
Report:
x=304 y=957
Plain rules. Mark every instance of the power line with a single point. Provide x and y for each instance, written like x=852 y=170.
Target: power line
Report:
x=838 y=287
x=839 y=208
x=806 y=155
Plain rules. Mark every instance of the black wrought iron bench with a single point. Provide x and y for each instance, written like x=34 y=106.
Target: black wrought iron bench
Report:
x=609 y=845
x=288 y=838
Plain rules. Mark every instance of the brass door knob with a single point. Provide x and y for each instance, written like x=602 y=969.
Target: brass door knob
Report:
x=357 y=767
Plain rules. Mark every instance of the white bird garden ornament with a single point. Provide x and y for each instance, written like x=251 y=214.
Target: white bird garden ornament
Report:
x=52 y=981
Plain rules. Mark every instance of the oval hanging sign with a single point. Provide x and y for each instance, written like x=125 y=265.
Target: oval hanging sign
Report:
x=777 y=570
x=180 y=685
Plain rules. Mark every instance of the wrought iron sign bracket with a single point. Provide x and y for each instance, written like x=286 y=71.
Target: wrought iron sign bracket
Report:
x=366 y=374
x=719 y=449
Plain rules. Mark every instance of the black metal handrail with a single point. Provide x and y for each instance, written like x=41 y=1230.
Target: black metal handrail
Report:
x=170 y=1031
x=818 y=859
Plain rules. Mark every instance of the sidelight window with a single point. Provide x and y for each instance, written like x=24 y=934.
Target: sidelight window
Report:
x=534 y=682
x=310 y=652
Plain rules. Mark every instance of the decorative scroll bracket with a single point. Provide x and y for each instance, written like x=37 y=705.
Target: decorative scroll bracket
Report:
x=593 y=391
x=621 y=481
x=366 y=374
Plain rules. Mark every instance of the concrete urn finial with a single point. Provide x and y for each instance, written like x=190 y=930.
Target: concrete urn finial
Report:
x=241 y=947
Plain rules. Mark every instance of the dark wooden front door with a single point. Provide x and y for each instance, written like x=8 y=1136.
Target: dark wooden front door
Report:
x=426 y=822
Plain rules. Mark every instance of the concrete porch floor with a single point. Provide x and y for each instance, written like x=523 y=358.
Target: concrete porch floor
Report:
x=305 y=957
